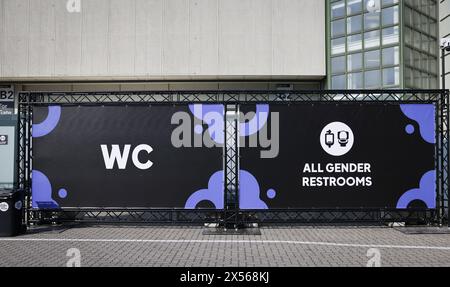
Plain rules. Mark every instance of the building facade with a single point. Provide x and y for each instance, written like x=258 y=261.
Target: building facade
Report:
x=444 y=21
x=124 y=45
x=383 y=44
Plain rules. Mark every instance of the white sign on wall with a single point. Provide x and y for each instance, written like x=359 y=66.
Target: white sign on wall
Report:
x=6 y=100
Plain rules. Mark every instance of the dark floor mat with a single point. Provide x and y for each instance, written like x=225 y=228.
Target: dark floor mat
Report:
x=423 y=230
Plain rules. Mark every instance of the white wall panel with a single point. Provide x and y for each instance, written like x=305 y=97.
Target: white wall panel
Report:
x=203 y=41
x=94 y=40
x=68 y=41
x=2 y=37
x=149 y=23
x=15 y=52
x=162 y=39
x=176 y=37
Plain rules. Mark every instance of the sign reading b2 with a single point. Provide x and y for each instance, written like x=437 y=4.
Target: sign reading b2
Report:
x=336 y=138
x=7 y=95
x=349 y=156
x=115 y=157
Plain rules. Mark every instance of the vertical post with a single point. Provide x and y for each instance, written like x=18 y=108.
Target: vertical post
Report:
x=447 y=150
x=447 y=131
x=231 y=167
x=443 y=67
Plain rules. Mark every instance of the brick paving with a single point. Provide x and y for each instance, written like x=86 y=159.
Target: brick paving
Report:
x=187 y=246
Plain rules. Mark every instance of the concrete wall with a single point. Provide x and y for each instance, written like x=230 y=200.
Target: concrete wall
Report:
x=444 y=28
x=166 y=86
x=162 y=39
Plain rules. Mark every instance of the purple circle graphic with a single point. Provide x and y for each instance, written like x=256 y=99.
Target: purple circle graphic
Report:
x=271 y=193
x=198 y=129
x=409 y=129
x=62 y=193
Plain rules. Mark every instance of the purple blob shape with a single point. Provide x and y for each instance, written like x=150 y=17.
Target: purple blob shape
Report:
x=249 y=193
x=424 y=115
x=41 y=189
x=213 y=194
x=426 y=192
x=271 y=193
x=62 y=193
x=200 y=111
x=49 y=124
x=409 y=129
x=198 y=129
x=256 y=123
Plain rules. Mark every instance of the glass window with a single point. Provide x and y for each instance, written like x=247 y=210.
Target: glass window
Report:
x=408 y=78
x=371 y=21
x=416 y=59
x=431 y=46
x=338 y=65
x=433 y=9
x=408 y=15
x=408 y=56
x=354 y=62
x=433 y=65
x=417 y=79
x=424 y=6
x=354 y=7
x=355 y=80
x=425 y=42
x=338 y=46
x=417 y=38
x=424 y=81
x=416 y=19
x=338 y=28
x=424 y=23
x=433 y=83
x=391 y=56
x=338 y=9
x=389 y=16
x=372 y=79
x=390 y=36
x=354 y=24
x=389 y=2
x=433 y=30
x=354 y=42
x=408 y=35
x=391 y=76
x=372 y=59
x=424 y=62
x=372 y=39
x=339 y=82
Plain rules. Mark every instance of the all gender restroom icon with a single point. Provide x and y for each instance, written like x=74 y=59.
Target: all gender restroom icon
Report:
x=336 y=138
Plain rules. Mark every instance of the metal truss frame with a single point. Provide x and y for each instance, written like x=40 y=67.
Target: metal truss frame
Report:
x=231 y=215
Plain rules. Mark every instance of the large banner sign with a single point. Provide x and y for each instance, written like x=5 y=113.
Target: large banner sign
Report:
x=117 y=156
x=340 y=156
x=7 y=101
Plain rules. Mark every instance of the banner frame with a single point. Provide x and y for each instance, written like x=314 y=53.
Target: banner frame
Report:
x=27 y=100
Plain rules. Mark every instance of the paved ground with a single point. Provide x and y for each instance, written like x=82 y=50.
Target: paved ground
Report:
x=186 y=246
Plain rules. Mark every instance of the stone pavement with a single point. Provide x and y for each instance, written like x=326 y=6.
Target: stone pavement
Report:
x=186 y=246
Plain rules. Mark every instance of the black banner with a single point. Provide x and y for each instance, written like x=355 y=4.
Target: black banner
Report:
x=117 y=156
x=6 y=101
x=340 y=156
